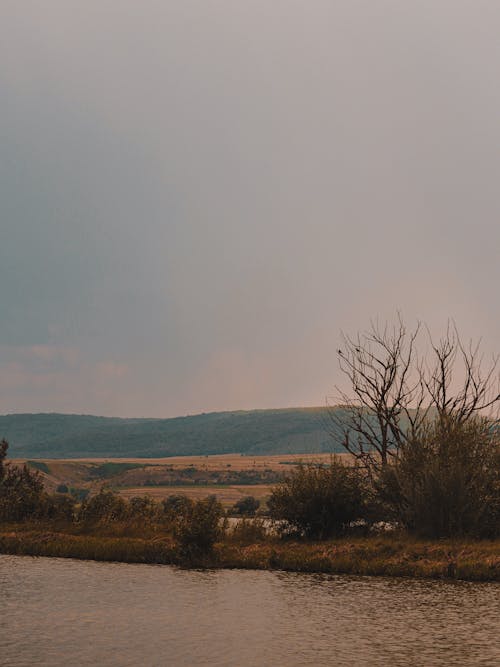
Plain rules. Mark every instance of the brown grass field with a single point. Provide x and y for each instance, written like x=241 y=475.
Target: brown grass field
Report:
x=227 y=495
x=77 y=473
x=210 y=462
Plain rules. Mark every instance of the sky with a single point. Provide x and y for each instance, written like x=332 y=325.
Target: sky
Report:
x=198 y=196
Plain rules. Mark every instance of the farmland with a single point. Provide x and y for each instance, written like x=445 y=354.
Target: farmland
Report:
x=229 y=477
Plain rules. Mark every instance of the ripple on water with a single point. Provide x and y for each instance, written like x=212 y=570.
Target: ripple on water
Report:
x=56 y=612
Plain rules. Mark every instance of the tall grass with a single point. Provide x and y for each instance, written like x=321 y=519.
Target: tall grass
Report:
x=253 y=548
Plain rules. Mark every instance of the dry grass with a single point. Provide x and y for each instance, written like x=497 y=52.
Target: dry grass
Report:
x=78 y=473
x=278 y=462
x=388 y=555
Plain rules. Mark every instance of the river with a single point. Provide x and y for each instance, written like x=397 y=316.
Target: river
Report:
x=56 y=612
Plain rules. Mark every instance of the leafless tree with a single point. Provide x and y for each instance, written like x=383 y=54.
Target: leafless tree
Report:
x=477 y=389
x=395 y=390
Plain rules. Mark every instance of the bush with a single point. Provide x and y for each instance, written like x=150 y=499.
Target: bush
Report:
x=175 y=506
x=103 y=507
x=60 y=508
x=79 y=494
x=247 y=506
x=320 y=502
x=21 y=491
x=198 y=527
x=144 y=509
x=446 y=483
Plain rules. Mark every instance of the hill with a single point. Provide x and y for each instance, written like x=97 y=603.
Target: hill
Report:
x=284 y=431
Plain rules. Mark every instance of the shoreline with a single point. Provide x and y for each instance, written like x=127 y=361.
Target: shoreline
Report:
x=368 y=556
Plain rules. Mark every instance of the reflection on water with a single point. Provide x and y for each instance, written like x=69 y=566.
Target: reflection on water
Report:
x=61 y=612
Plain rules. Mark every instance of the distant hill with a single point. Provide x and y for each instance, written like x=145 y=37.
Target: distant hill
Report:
x=286 y=431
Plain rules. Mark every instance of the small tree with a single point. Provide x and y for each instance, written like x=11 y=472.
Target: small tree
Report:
x=4 y=446
x=198 y=527
x=21 y=491
x=320 y=502
x=60 y=507
x=104 y=507
x=176 y=505
x=144 y=509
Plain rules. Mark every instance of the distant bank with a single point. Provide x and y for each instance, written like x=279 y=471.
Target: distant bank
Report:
x=255 y=432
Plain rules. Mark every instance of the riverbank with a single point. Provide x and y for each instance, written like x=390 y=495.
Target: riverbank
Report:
x=398 y=556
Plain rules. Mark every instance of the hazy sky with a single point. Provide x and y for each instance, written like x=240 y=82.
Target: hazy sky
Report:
x=197 y=196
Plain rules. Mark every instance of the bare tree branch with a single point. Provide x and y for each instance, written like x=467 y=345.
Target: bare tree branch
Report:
x=395 y=391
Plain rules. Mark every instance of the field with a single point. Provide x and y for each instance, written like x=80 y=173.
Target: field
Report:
x=229 y=476
x=227 y=495
x=214 y=462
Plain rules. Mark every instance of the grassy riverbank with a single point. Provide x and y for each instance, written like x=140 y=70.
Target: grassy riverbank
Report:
x=381 y=555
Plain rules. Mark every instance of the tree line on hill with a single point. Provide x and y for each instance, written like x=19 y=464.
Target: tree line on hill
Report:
x=256 y=432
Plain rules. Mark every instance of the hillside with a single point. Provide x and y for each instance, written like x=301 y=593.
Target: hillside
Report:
x=295 y=430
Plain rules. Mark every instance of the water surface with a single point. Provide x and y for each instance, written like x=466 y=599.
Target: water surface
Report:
x=56 y=612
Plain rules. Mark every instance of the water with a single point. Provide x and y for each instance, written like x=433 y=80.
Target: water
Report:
x=56 y=613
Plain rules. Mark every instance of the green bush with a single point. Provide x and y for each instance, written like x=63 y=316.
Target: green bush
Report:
x=446 y=483
x=320 y=502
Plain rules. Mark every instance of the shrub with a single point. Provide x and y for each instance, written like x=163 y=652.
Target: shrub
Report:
x=320 y=502
x=60 y=508
x=175 y=506
x=246 y=506
x=198 y=527
x=446 y=483
x=21 y=491
x=79 y=494
x=4 y=446
x=106 y=506
x=62 y=488
x=144 y=509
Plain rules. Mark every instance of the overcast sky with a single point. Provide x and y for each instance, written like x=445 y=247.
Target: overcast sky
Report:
x=197 y=196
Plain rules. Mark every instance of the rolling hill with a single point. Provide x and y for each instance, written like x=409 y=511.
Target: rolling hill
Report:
x=294 y=430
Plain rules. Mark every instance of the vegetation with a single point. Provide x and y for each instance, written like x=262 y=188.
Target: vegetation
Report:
x=246 y=506
x=390 y=555
x=21 y=490
x=447 y=483
x=198 y=527
x=395 y=391
x=39 y=465
x=429 y=443
x=112 y=468
x=320 y=502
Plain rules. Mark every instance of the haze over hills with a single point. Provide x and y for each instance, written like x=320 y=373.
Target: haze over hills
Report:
x=291 y=430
